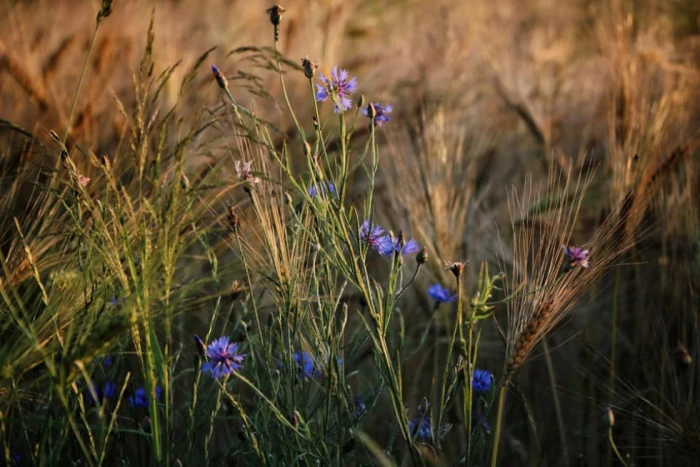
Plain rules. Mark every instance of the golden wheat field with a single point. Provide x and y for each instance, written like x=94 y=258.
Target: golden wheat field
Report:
x=356 y=232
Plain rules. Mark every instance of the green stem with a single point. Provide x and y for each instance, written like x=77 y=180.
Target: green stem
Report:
x=614 y=447
x=499 y=417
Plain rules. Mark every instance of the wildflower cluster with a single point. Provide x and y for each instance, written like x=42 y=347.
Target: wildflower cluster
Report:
x=386 y=244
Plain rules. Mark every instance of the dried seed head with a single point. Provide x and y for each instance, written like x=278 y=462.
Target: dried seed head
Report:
x=455 y=268
x=309 y=67
x=275 y=13
x=105 y=10
x=422 y=256
x=233 y=219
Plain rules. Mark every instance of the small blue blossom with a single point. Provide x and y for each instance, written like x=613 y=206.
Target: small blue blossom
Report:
x=380 y=113
x=305 y=365
x=420 y=427
x=223 y=358
x=338 y=87
x=479 y=419
x=140 y=398
x=326 y=187
x=107 y=361
x=440 y=294
x=576 y=256
x=409 y=247
x=376 y=238
x=107 y=392
x=481 y=380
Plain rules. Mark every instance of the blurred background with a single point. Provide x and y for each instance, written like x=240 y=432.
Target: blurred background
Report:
x=485 y=94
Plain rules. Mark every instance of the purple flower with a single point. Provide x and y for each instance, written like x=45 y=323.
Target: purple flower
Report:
x=376 y=238
x=409 y=247
x=220 y=78
x=326 y=187
x=441 y=294
x=244 y=173
x=481 y=380
x=339 y=88
x=140 y=398
x=576 y=256
x=380 y=113
x=420 y=427
x=223 y=359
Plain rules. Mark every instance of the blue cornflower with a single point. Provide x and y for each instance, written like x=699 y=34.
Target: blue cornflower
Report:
x=326 y=187
x=576 y=256
x=339 y=86
x=305 y=365
x=140 y=398
x=420 y=427
x=107 y=361
x=107 y=392
x=409 y=247
x=481 y=380
x=380 y=113
x=376 y=238
x=223 y=359
x=440 y=294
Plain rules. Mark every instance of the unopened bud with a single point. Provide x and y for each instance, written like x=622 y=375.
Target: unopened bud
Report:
x=220 y=78
x=422 y=256
x=609 y=417
x=201 y=348
x=275 y=13
x=309 y=67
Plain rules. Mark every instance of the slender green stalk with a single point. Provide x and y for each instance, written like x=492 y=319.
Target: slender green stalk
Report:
x=614 y=448
x=499 y=418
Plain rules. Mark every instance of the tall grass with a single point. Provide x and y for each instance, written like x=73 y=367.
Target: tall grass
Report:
x=215 y=269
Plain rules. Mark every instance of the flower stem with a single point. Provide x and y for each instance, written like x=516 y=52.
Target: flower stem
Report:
x=499 y=417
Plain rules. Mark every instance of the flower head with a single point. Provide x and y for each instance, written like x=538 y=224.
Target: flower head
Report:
x=455 y=268
x=440 y=294
x=420 y=427
x=223 y=358
x=275 y=13
x=338 y=87
x=305 y=365
x=481 y=380
x=375 y=237
x=219 y=76
x=140 y=398
x=576 y=256
x=244 y=173
x=402 y=247
x=102 y=394
x=326 y=187
x=380 y=113
x=309 y=67
x=83 y=180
